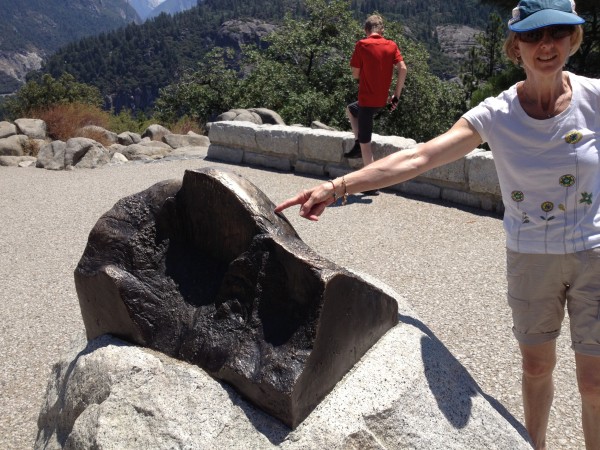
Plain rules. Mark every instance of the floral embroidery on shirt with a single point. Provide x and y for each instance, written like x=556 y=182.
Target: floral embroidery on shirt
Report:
x=570 y=203
x=573 y=137
x=586 y=198
x=518 y=197
x=566 y=181
x=547 y=207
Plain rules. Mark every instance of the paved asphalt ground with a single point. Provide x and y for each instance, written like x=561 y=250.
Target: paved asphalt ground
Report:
x=446 y=260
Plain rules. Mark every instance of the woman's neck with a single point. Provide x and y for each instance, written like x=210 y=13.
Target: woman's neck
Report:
x=543 y=98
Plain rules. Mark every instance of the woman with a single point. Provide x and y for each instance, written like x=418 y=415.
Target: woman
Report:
x=543 y=133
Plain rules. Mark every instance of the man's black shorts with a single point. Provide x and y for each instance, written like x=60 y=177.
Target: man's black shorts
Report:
x=365 y=120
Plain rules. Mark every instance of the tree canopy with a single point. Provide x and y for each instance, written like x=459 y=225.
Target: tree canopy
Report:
x=37 y=95
x=304 y=75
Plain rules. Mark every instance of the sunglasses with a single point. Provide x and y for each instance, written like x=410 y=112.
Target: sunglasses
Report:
x=556 y=32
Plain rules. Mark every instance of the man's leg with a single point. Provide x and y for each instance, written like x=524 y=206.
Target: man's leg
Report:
x=538 y=389
x=365 y=131
x=352 y=113
x=588 y=380
x=353 y=122
x=367 y=153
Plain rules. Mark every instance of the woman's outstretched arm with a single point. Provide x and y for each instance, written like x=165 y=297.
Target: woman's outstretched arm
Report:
x=401 y=166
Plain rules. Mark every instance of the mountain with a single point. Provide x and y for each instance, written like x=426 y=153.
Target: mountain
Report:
x=144 y=7
x=31 y=30
x=46 y=25
x=132 y=64
x=173 y=7
x=152 y=8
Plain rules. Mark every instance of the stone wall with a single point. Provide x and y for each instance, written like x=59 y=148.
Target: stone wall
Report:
x=470 y=181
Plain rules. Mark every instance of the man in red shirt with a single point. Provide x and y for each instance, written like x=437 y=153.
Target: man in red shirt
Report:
x=373 y=62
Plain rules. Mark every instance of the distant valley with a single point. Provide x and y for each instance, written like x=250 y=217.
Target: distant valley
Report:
x=130 y=51
x=32 y=30
x=152 y=8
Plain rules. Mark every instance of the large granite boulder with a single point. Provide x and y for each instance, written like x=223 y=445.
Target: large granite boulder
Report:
x=407 y=392
x=79 y=152
x=7 y=129
x=85 y=153
x=155 y=132
x=98 y=133
x=146 y=150
x=257 y=116
x=52 y=156
x=186 y=140
x=13 y=145
x=128 y=138
x=204 y=271
x=32 y=128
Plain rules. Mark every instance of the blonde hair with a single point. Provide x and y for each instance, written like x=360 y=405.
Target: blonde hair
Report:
x=374 y=24
x=510 y=51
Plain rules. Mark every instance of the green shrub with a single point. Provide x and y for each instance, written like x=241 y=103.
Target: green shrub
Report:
x=37 y=96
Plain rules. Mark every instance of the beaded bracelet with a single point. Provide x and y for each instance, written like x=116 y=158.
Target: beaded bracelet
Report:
x=345 y=195
x=335 y=196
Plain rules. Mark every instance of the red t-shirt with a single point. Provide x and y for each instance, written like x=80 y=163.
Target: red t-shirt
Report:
x=376 y=57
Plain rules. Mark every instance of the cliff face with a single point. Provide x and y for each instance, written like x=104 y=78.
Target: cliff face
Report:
x=173 y=7
x=456 y=40
x=15 y=65
x=34 y=29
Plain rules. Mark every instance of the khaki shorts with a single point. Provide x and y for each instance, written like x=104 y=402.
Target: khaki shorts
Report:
x=539 y=287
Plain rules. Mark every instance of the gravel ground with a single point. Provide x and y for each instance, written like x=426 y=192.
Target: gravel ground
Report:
x=447 y=261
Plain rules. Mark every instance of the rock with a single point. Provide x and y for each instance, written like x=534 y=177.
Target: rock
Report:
x=188 y=152
x=268 y=116
x=81 y=153
x=242 y=32
x=33 y=128
x=146 y=142
x=128 y=138
x=155 y=132
x=114 y=148
x=258 y=116
x=20 y=161
x=146 y=150
x=186 y=140
x=98 y=134
x=27 y=162
x=408 y=391
x=18 y=64
x=7 y=129
x=118 y=158
x=456 y=40
x=248 y=116
x=315 y=124
x=240 y=115
x=52 y=156
x=226 y=116
x=13 y=145
x=204 y=271
x=84 y=153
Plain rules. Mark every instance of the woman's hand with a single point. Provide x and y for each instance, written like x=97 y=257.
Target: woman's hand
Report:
x=312 y=201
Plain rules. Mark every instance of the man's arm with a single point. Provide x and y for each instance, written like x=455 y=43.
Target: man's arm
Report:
x=401 y=71
x=356 y=73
